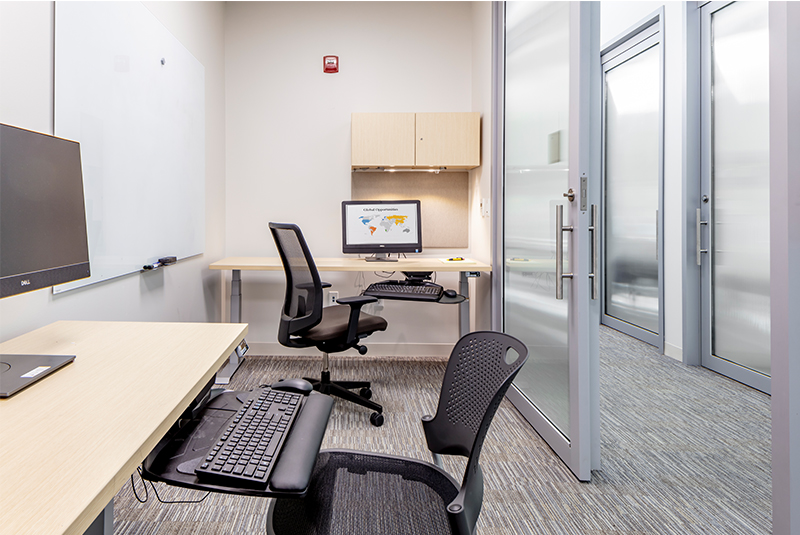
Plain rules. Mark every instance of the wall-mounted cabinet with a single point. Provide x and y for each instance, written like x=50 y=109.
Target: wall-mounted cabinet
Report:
x=382 y=140
x=416 y=140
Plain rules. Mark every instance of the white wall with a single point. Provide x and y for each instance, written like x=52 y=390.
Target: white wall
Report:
x=288 y=124
x=481 y=178
x=185 y=292
x=615 y=19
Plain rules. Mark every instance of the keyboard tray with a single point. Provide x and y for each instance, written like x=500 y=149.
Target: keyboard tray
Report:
x=175 y=457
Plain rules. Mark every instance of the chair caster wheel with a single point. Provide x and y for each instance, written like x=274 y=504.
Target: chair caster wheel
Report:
x=376 y=419
x=365 y=393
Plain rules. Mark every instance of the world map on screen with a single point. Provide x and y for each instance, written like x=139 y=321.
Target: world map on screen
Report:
x=389 y=224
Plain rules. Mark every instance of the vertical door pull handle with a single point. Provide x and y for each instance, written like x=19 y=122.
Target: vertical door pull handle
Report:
x=593 y=229
x=699 y=224
x=560 y=229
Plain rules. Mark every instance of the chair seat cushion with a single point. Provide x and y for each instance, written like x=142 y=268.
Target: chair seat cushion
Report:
x=334 y=324
x=357 y=493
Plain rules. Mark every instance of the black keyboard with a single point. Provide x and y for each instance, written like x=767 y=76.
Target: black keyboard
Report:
x=245 y=452
x=405 y=290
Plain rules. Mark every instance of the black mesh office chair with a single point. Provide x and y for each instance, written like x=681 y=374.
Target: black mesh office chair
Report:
x=305 y=323
x=366 y=493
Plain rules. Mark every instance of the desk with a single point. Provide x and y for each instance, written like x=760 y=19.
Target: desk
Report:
x=72 y=440
x=237 y=264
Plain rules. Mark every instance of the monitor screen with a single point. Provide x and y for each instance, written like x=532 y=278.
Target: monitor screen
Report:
x=381 y=227
x=42 y=215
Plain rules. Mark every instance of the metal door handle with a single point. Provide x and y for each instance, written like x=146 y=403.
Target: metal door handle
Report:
x=699 y=223
x=593 y=229
x=560 y=229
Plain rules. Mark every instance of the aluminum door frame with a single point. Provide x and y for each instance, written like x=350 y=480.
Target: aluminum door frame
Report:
x=581 y=452
x=708 y=360
x=642 y=36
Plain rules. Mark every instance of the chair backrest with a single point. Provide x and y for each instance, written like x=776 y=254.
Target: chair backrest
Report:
x=481 y=368
x=302 y=306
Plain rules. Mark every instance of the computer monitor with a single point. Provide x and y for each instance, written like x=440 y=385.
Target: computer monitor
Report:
x=43 y=238
x=381 y=228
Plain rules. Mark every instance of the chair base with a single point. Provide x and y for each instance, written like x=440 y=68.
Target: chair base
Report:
x=341 y=389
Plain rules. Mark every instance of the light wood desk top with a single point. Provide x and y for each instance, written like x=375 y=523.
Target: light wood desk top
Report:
x=262 y=263
x=70 y=441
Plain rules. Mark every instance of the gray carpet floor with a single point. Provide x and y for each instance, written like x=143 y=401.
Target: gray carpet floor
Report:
x=684 y=451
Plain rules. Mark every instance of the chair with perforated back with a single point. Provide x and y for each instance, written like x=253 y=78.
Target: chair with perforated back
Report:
x=361 y=492
x=306 y=323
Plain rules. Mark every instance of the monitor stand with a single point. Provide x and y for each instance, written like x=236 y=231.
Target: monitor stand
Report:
x=380 y=257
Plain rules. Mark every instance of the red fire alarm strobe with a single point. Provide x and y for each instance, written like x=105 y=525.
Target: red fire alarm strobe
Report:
x=330 y=64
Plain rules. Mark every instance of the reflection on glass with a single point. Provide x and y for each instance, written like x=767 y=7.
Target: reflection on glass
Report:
x=536 y=140
x=740 y=185
x=631 y=189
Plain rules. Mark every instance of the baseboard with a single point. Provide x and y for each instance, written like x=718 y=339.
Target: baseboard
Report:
x=674 y=352
x=375 y=350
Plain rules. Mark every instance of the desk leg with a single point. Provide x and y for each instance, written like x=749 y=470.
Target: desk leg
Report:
x=104 y=523
x=225 y=374
x=463 y=307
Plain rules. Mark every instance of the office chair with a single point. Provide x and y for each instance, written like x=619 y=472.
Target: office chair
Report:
x=305 y=323
x=361 y=492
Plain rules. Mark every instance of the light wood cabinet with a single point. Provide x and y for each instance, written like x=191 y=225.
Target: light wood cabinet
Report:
x=416 y=140
x=450 y=140
x=382 y=140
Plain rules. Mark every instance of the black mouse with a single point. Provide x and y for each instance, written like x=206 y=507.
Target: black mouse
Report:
x=450 y=293
x=300 y=386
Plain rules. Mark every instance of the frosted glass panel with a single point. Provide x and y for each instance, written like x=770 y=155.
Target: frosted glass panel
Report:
x=740 y=182
x=631 y=189
x=536 y=138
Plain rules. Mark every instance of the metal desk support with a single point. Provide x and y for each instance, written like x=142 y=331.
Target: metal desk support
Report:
x=463 y=308
x=225 y=374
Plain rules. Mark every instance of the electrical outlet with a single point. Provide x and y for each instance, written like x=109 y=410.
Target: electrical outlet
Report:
x=333 y=297
x=484 y=207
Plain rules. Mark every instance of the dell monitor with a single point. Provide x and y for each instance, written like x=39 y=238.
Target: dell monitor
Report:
x=43 y=238
x=380 y=228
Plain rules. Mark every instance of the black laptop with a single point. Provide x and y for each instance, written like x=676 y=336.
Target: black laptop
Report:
x=20 y=371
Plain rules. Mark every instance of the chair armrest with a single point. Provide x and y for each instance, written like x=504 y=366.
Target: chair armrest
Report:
x=355 y=302
x=310 y=285
x=359 y=300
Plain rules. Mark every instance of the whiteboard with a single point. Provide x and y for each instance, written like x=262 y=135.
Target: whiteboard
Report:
x=134 y=98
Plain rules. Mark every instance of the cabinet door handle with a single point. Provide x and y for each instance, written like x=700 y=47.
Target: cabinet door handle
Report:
x=560 y=229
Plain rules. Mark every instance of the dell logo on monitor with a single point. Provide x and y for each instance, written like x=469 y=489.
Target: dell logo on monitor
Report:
x=25 y=282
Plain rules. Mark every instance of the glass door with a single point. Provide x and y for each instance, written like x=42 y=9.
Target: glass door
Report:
x=548 y=209
x=632 y=183
x=733 y=217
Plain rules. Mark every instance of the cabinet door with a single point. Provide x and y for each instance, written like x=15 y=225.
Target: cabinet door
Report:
x=448 y=139
x=382 y=139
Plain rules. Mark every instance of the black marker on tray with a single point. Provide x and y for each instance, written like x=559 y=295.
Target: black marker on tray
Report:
x=165 y=261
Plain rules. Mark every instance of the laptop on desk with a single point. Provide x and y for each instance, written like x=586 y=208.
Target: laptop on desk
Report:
x=20 y=371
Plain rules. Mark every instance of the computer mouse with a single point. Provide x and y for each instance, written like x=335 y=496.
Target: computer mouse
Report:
x=450 y=293
x=299 y=386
